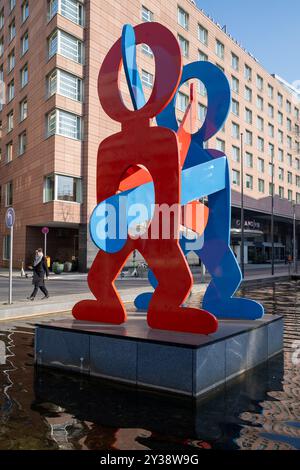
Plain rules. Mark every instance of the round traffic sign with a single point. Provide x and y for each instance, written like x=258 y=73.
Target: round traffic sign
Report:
x=10 y=217
x=45 y=230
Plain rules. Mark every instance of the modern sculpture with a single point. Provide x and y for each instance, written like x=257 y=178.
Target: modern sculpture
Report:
x=144 y=168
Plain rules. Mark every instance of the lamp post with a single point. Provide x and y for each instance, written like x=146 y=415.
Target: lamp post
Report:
x=272 y=213
x=242 y=209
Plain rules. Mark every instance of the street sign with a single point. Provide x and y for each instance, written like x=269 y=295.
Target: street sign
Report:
x=10 y=217
x=45 y=230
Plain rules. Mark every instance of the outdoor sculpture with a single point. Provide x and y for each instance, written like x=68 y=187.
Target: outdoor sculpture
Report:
x=143 y=165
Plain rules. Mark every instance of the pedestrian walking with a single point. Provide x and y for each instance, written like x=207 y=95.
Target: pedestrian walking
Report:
x=40 y=269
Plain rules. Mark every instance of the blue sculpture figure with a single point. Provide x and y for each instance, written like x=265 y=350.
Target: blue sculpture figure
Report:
x=215 y=253
x=205 y=173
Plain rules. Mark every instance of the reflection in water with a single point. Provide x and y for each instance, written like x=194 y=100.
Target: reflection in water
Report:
x=50 y=410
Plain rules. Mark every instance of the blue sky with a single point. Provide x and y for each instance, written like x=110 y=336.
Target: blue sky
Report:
x=269 y=29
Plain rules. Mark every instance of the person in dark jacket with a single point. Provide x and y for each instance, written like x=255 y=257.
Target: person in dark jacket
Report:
x=40 y=269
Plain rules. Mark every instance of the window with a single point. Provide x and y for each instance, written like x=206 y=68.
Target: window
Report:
x=290 y=159
x=298 y=181
x=288 y=106
x=280 y=99
x=259 y=82
x=12 y=4
x=2 y=18
x=270 y=111
x=289 y=142
x=1 y=46
x=220 y=49
x=52 y=8
x=260 y=123
x=271 y=130
x=248 y=72
x=297 y=114
x=260 y=144
x=235 y=84
x=271 y=150
x=183 y=18
x=260 y=103
x=25 y=11
x=249 y=138
x=297 y=163
x=290 y=177
x=261 y=185
x=184 y=45
x=290 y=195
x=64 y=123
x=248 y=94
x=235 y=154
x=182 y=101
x=23 y=109
x=248 y=116
x=235 y=106
x=147 y=50
x=202 y=56
x=220 y=145
x=281 y=192
x=9 y=152
x=249 y=160
x=281 y=174
x=270 y=92
x=271 y=169
x=24 y=76
x=10 y=121
x=234 y=61
x=62 y=188
x=249 y=182
x=280 y=118
x=271 y=189
x=280 y=155
x=6 y=247
x=289 y=124
x=22 y=143
x=235 y=177
x=65 y=84
x=147 y=79
x=280 y=137
x=11 y=90
x=235 y=130
x=202 y=110
x=12 y=30
x=70 y=9
x=24 y=43
x=147 y=15
x=11 y=61
x=202 y=35
x=202 y=88
x=65 y=45
x=260 y=165
x=298 y=198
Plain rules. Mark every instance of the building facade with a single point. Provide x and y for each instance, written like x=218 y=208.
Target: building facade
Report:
x=52 y=122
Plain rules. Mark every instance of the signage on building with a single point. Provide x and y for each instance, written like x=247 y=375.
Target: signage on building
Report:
x=248 y=224
x=10 y=217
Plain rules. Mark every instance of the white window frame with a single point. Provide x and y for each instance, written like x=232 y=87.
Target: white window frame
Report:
x=55 y=177
x=55 y=115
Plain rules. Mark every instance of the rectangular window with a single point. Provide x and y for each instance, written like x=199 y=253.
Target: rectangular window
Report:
x=271 y=130
x=65 y=84
x=271 y=189
x=234 y=61
x=289 y=142
x=280 y=118
x=182 y=101
x=297 y=198
x=288 y=107
x=260 y=165
x=261 y=186
x=249 y=182
x=248 y=73
x=289 y=125
x=290 y=195
x=248 y=116
x=290 y=177
x=25 y=10
x=62 y=188
x=249 y=138
x=9 y=152
x=280 y=137
x=280 y=99
x=22 y=143
x=12 y=30
x=147 y=15
x=10 y=91
x=280 y=155
x=10 y=121
x=11 y=61
x=1 y=46
x=147 y=50
x=297 y=163
x=220 y=49
x=235 y=106
x=183 y=18
x=270 y=111
x=260 y=123
x=235 y=154
x=260 y=144
x=12 y=4
x=290 y=159
x=202 y=110
x=72 y=10
x=23 y=109
x=270 y=92
x=24 y=76
x=202 y=56
x=248 y=94
x=202 y=35
x=235 y=84
x=184 y=45
x=147 y=79
x=220 y=145
x=281 y=192
x=259 y=82
x=66 y=45
x=249 y=160
x=271 y=169
x=6 y=248
x=2 y=18
x=298 y=181
x=281 y=174
x=24 y=43
x=64 y=123
x=235 y=177
x=235 y=130
x=271 y=150
x=260 y=103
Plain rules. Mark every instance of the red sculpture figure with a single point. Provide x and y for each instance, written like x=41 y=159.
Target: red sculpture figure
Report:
x=156 y=149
